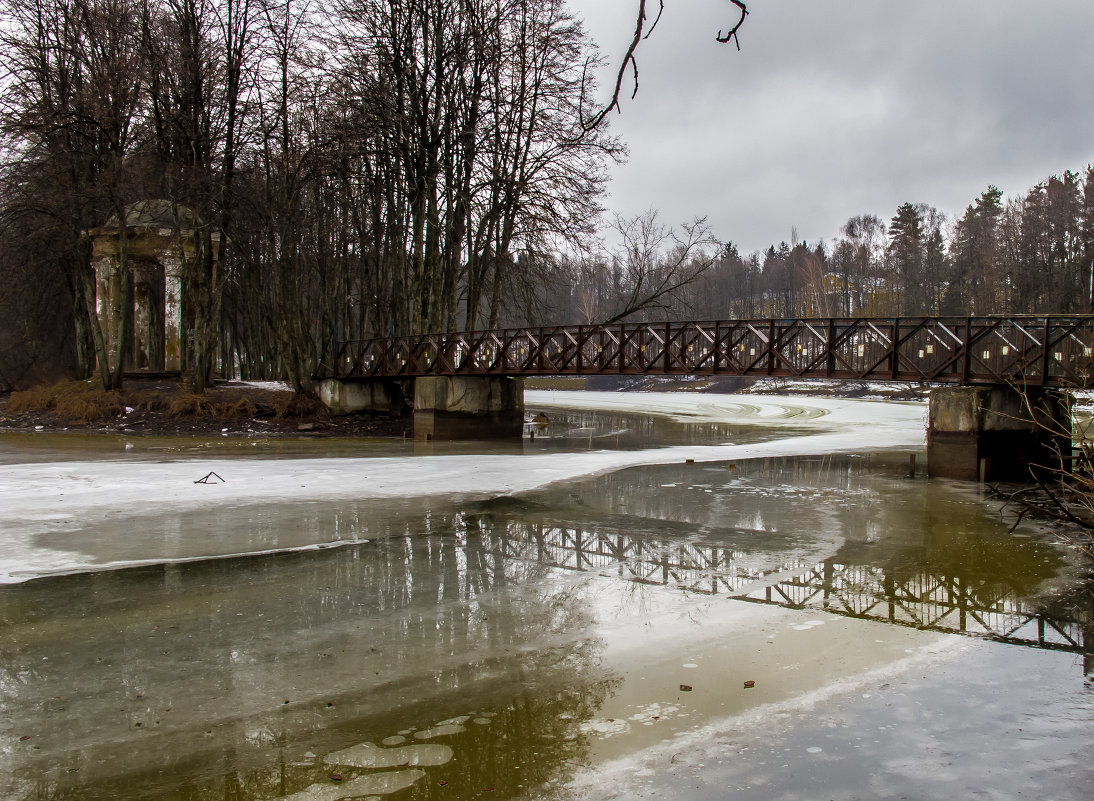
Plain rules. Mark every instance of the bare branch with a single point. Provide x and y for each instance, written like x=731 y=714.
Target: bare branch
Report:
x=655 y=262
x=732 y=34
x=630 y=62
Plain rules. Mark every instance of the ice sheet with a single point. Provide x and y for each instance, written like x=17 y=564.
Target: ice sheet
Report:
x=38 y=498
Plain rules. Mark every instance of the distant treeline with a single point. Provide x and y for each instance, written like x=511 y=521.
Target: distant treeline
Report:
x=1028 y=254
x=378 y=167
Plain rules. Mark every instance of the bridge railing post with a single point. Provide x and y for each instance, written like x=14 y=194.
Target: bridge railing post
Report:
x=579 y=358
x=716 y=347
x=966 y=345
x=619 y=347
x=830 y=355
x=1045 y=363
x=894 y=345
x=770 y=347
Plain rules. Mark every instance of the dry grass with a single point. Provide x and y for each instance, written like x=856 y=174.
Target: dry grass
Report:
x=190 y=405
x=289 y=404
x=78 y=402
x=73 y=401
x=244 y=407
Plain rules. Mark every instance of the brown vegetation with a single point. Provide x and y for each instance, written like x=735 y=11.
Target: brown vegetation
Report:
x=167 y=407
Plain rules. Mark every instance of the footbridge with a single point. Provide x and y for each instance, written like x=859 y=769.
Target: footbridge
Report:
x=1004 y=373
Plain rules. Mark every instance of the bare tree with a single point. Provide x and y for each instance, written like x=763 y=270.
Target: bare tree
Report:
x=1062 y=489
x=654 y=262
x=75 y=75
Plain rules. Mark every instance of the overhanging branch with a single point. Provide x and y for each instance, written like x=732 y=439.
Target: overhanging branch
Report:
x=629 y=61
x=732 y=34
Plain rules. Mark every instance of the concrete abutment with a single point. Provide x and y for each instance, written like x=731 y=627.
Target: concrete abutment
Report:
x=372 y=395
x=468 y=407
x=996 y=432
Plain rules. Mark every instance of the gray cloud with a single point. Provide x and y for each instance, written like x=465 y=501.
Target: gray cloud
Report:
x=841 y=107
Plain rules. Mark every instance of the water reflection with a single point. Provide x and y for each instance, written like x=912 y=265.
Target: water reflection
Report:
x=572 y=429
x=234 y=678
x=475 y=629
x=567 y=431
x=928 y=556
x=966 y=601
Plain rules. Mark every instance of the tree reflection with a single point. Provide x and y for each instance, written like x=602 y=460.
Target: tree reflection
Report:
x=217 y=679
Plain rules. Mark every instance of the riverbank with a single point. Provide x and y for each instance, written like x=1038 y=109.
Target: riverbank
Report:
x=164 y=407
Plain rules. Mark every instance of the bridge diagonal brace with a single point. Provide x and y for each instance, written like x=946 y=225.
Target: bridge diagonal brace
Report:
x=903 y=357
x=498 y=348
x=735 y=339
x=535 y=352
x=843 y=338
x=827 y=352
x=570 y=352
x=419 y=357
x=476 y=345
x=893 y=353
x=1051 y=343
x=784 y=336
x=964 y=351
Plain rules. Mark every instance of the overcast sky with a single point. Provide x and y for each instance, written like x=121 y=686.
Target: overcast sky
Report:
x=835 y=108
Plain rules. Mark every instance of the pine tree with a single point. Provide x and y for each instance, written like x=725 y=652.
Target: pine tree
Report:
x=906 y=258
x=972 y=288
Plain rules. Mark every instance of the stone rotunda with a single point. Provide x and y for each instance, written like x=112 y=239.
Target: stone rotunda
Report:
x=159 y=238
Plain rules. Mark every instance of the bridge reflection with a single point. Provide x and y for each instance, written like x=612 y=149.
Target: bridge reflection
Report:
x=994 y=605
x=229 y=676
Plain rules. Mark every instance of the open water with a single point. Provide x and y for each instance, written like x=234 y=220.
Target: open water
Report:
x=801 y=627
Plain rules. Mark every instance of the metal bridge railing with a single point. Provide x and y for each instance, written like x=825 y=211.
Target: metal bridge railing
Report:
x=1030 y=350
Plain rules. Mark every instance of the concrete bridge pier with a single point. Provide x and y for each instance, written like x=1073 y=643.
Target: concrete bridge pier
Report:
x=468 y=407
x=995 y=432
x=445 y=407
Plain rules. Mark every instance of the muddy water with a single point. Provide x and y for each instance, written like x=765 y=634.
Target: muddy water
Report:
x=566 y=431
x=766 y=629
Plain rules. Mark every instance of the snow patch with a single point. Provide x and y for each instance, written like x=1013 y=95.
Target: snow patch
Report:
x=63 y=498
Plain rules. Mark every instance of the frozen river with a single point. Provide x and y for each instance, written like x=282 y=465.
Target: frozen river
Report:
x=672 y=596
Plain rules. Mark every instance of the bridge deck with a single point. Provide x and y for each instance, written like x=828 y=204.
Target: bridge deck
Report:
x=1031 y=350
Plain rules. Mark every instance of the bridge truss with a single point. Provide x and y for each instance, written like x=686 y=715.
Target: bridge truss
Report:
x=1029 y=350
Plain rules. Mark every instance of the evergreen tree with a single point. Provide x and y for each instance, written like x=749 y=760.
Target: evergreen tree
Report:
x=975 y=251
x=906 y=258
x=1086 y=236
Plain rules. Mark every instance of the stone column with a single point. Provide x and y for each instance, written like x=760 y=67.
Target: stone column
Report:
x=145 y=317
x=121 y=314
x=996 y=433
x=468 y=407
x=103 y=265
x=172 y=312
